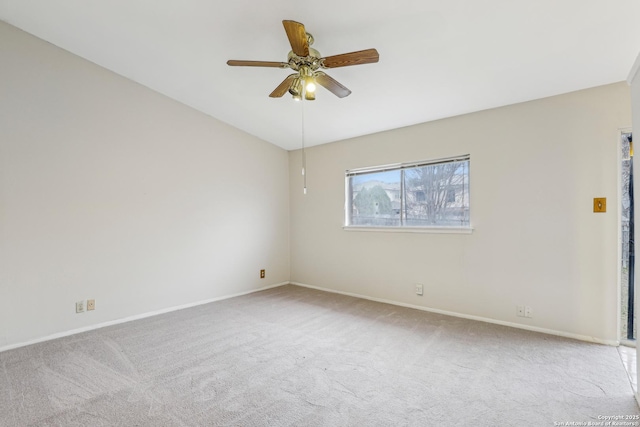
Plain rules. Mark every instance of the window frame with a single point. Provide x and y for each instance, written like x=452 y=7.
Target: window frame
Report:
x=455 y=229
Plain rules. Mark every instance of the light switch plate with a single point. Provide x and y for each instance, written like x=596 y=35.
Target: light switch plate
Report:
x=600 y=204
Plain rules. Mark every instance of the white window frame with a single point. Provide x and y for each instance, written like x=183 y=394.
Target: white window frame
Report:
x=403 y=228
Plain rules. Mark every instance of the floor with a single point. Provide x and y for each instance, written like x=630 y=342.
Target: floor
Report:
x=629 y=360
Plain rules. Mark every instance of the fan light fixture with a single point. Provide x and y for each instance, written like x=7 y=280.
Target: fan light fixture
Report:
x=311 y=87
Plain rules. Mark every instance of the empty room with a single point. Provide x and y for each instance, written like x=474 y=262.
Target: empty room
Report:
x=409 y=213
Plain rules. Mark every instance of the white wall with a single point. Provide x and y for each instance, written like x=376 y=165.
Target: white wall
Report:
x=535 y=169
x=111 y=191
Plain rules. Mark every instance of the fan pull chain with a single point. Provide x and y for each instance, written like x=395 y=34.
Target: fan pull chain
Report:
x=304 y=154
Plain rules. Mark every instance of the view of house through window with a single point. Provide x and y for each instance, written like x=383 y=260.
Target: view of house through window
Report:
x=422 y=194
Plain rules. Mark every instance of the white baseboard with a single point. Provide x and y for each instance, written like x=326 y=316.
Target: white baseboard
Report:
x=470 y=317
x=131 y=318
x=382 y=300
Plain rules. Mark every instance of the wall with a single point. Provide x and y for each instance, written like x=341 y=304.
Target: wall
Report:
x=535 y=169
x=111 y=191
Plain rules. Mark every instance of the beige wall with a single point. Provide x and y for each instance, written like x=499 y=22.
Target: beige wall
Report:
x=535 y=168
x=111 y=191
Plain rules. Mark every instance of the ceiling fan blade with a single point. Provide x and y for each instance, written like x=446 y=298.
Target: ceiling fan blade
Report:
x=284 y=86
x=367 y=56
x=237 y=63
x=332 y=85
x=297 y=37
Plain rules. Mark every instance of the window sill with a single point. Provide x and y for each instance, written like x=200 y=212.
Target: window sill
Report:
x=429 y=230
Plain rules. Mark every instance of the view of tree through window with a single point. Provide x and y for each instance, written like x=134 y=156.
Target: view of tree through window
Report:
x=424 y=194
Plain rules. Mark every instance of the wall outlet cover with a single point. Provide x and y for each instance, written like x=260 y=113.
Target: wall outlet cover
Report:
x=91 y=304
x=80 y=307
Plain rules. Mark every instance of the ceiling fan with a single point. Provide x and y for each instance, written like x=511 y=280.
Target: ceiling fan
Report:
x=307 y=63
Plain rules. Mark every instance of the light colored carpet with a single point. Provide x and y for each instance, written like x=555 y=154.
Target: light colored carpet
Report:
x=292 y=356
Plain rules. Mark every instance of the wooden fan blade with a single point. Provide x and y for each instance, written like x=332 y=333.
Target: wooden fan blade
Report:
x=237 y=63
x=297 y=37
x=367 y=56
x=283 y=87
x=332 y=85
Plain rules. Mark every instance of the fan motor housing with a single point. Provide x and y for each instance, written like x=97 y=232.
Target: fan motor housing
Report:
x=312 y=61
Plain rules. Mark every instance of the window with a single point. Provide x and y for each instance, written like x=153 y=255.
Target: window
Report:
x=428 y=194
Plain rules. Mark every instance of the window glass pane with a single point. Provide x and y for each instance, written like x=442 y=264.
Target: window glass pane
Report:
x=375 y=199
x=437 y=195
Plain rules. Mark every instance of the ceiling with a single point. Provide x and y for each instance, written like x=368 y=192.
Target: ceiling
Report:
x=437 y=58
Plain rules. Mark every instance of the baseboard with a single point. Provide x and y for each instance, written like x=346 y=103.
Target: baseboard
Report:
x=382 y=300
x=470 y=317
x=132 y=318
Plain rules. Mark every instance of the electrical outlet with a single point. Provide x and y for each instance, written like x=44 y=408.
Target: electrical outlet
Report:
x=520 y=310
x=262 y=274
x=80 y=307
x=528 y=312
x=419 y=289
x=91 y=304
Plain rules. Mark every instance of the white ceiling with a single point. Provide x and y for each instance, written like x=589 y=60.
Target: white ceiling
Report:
x=437 y=58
